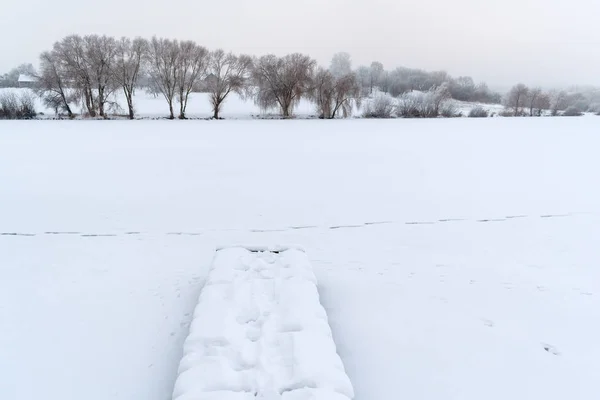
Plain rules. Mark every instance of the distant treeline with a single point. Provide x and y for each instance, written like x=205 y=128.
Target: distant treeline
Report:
x=80 y=74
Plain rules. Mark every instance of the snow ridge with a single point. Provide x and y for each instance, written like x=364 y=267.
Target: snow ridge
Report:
x=259 y=330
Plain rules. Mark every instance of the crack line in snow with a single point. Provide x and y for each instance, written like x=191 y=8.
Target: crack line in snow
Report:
x=302 y=227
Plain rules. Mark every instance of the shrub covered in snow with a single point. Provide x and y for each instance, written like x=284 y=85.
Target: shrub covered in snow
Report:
x=381 y=106
x=431 y=104
x=449 y=110
x=478 y=112
x=572 y=112
x=507 y=112
x=594 y=108
x=17 y=107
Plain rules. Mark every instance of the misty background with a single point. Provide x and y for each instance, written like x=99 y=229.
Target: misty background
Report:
x=550 y=43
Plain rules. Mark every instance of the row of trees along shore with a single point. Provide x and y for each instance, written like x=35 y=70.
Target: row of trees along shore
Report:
x=86 y=72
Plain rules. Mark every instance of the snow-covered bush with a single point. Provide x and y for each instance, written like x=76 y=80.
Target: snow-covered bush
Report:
x=431 y=104
x=17 y=107
x=594 y=108
x=507 y=112
x=478 y=112
x=449 y=110
x=381 y=106
x=572 y=112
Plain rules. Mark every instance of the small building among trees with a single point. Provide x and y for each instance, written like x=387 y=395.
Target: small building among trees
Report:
x=27 y=81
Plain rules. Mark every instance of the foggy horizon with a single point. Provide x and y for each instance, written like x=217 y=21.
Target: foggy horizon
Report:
x=546 y=43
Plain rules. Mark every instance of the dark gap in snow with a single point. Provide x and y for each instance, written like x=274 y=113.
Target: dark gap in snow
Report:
x=346 y=226
x=99 y=235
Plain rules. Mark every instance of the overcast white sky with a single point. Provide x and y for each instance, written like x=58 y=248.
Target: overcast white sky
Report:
x=548 y=42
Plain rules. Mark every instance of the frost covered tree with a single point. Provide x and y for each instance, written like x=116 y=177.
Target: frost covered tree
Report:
x=335 y=95
x=282 y=81
x=363 y=75
x=376 y=72
x=341 y=64
x=542 y=103
x=226 y=73
x=463 y=88
x=517 y=97
x=532 y=99
x=558 y=101
x=190 y=68
x=129 y=58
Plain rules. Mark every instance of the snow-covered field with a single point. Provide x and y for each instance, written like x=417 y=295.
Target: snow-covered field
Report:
x=456 y=259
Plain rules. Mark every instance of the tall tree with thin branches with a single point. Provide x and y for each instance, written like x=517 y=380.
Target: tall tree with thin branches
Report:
x=335 y=95
x=73 y=55
x=163 y=59
x=516 y=98
x=226 y=73
x=129 y=59
x=282 y=81
x=190 y=69
x=52 y=83
x=100 y=55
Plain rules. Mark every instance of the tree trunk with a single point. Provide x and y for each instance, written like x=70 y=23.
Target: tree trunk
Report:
x=101 y=101
x=66 y=104
x=130 y=106
x=89 y=103
x=171 y=114
x=216 y=110
x=182 y=103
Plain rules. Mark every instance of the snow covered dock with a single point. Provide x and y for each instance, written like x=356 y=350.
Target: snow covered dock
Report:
x=259 y=330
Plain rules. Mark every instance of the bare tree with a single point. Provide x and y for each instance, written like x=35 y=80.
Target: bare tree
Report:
x=532 y=99
x=190 y=68
x=128 y=65
x=516 y=98
x=558 y=101
x=541 y=103
x=226 y=73
x=100 y=54
x=335 y=95
x=71 y=51
x=52 y=84
x=341 y=64
x=282 y=81
x=163 y=58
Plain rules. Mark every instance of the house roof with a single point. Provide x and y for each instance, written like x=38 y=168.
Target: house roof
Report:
x=26 y=78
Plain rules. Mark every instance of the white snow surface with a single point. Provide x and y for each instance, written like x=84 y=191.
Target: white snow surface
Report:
x=260 y=329
x=456 y=259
